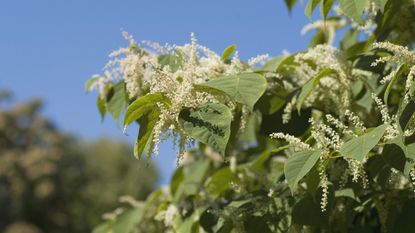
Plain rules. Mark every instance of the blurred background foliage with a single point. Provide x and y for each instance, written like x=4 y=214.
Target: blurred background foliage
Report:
x=54 y=182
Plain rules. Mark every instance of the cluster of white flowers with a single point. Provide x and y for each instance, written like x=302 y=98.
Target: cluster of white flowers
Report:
x=357 y=171
x=339 y=125
x=295 y=142
x=326 y=137
x=168 y=215
x=258 y=60
x=400 y=56
x=324 y=182
x=412 y=176
x=392 y=130
x=132 y=64
x=329 y=136
x=369 y=24
x=333 y=89
x=172 y=70
x=369 y=17
x=355 y=120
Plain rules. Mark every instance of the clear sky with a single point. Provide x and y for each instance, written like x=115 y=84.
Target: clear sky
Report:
x=49 y=48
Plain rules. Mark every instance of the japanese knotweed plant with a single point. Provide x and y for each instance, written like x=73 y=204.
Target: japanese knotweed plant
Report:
x=187 y=92
x=321 y=140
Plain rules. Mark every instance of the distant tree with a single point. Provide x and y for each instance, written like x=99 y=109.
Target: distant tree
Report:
x=53 y=182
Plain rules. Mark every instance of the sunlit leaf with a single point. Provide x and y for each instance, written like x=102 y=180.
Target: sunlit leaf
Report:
x=172 y=60
x=227 y=53
x=244 y=88
x=91 y=82
x=144 y=142
x=102 y=108
x=209 y=124
x=353 y=8
x=298 y=165
x=125 y=222
x=142 y=106
x=117 y=101
x=398 y=73
x=357 y=148
x=325 y=7
x=312 y=4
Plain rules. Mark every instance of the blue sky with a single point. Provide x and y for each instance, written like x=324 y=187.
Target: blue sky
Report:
x=49 y=48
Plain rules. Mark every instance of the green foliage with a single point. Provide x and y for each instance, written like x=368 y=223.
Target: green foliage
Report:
x=325 y=7
x=209 y=124
x=243 y=88
x=227 y=53
x=406 y=114
x=401 y=69
x=172 y=60
x=312 y=4
x=298 y=165
x=143 y=106
x=116 y=101
x=144 y=138
x=350 y=168
x=91 y=83
x=290 y=4
x=353 y=8
x=358 y=148
x=310 y=85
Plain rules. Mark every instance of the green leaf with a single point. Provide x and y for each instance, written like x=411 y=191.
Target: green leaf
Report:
x=193 y=179
x=399 y=72
x=349 y=39
x=353 y=9
x=310 y=85
x=117 y=100
x=243 y=88
x=273 y=64
x=394 y=156
x=105 y=227
x=172 y=60
x=228 y=52
x=357 y=148
x=381 y=4
x=298 y=165
x=312 y=181
x=325 y=7
x=102 y=108
x=318 y=38
x=290 y=4
x=248 y=137
x=142 y=106
x=209 y=123
x=407 y=114
x=269 y=103
x=176 y=179
x=347 y=192
x=144 y=142
x=258 y=164
x=358 y=49
x=220 y=182
x=312 y=4
x=125 y=222
x=91 y=82
x=409 y=151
